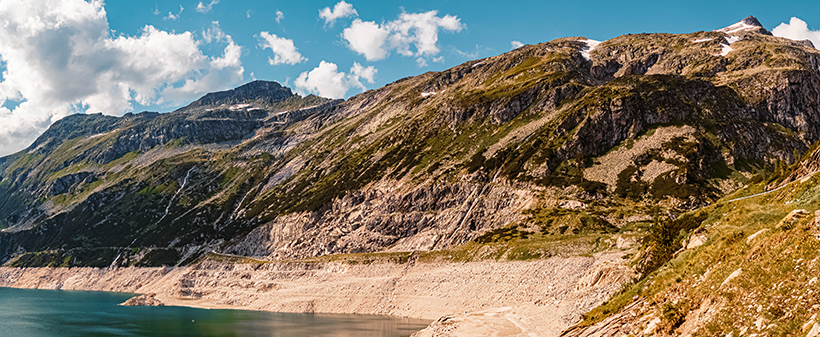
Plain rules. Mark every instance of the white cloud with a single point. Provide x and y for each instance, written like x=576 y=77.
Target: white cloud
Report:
x=156 y=10
x=215 y=34
x=367 y=73
x=421 y=62
x=171 y=16
x=202 y=8
x=224 y=70
x=340 y=10
x=516 y=44
x=797 y=30
x=60 y=58
x=413 y=35
x=367 y=38
x=326 y=80
x=279 y=16
x=478 y=51
x=284 y=51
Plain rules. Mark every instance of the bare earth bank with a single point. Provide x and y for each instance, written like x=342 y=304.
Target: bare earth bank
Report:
x=540 y=297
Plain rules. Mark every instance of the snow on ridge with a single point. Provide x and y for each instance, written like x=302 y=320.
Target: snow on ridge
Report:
x=239 y=107
x=430 y=93
x=727 y=46
x=738 y=27
x=726 y=50
x=702 y=40
x=591 y=44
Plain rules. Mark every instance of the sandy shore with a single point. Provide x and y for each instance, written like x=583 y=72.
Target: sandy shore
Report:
x=540 y=297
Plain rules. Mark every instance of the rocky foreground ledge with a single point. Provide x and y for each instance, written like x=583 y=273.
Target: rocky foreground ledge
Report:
x=145 y=300
x=540 y=297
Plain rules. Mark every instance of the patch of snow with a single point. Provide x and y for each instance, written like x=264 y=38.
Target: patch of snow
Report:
x=726 y=50
x=239 y=107
x=738 y=27
x=591 y=44
x=478 y=64
x=727 y=47
x=425 y=94
x=702 y=40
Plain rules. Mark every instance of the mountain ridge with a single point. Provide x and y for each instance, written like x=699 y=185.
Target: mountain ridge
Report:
x=540 y=118
x=652 y=149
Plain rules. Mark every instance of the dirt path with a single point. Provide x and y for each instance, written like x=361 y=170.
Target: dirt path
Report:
x=801 y=180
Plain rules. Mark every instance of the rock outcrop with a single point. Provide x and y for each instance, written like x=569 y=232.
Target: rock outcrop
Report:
x=147 y=300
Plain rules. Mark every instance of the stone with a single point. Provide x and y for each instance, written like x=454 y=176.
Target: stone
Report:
x=696 y=240
x=147 y=300
x=791 y=219
x=572 y=204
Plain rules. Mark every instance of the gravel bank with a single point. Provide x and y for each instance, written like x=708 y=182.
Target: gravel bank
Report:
x=505 y=298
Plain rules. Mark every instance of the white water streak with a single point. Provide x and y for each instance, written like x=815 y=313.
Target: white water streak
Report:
x=171 y=202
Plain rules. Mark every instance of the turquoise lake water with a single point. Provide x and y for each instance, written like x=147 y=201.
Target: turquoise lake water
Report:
x=47 y=313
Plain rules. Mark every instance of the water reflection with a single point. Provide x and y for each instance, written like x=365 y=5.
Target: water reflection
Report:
x=46 y=313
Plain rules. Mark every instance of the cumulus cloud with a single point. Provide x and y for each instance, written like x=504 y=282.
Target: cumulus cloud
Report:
x=516 y=44
x=340 y=10
x=798 y=30
x=60 y=58
x=173 y=17
x=326 y=80
x=222 y=71
x=367 y=73
x=284 y=51
x=279 y=16
x=367 y=38
x=412 y=34
x=202 y=8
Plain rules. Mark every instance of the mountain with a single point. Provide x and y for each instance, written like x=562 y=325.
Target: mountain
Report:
x=517 y=156
x=745 y=265
x=749 y=24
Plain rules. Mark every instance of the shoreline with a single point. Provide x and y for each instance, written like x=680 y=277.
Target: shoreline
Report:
x=540 y=297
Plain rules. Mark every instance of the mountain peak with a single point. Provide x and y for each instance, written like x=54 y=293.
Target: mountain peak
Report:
x=749 y=24
x=268 y=91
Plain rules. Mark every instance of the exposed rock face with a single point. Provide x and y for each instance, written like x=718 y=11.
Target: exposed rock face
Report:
x=266 y=91
x=805 y=169
x=749 y=24
x=425 y=218
x=63 y=184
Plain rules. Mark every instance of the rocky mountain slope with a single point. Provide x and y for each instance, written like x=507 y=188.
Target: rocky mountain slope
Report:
x=746 y=265
x=547 y=149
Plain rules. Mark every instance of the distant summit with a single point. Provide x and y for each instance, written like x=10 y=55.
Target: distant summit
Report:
x=749 y=24
x=267 y=91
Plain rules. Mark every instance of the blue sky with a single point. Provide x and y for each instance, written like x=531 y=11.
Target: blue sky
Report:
x=120 y=56
x=490 y=26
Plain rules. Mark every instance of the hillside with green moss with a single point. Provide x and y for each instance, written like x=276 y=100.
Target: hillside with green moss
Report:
x=746 y=265
x=564 y=146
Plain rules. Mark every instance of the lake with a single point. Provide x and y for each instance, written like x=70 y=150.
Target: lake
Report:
x=46 y=313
